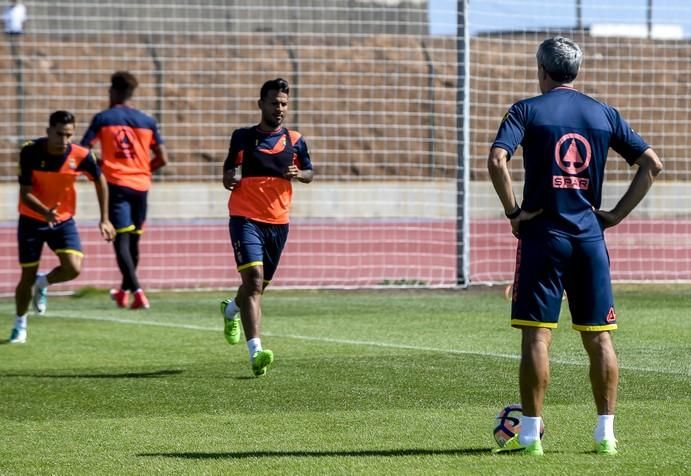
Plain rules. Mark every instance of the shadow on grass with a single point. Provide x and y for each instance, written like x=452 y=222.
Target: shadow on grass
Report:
x=318 y=454
x=154 y=374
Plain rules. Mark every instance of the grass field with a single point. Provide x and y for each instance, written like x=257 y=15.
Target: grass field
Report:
x=365 y=382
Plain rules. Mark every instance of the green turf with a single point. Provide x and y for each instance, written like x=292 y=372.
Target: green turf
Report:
x=383 y=382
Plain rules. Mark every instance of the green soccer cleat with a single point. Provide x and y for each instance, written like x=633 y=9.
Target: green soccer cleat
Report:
x=606 y=447
x=261 y=361
x=514 y=446
x=231 y=327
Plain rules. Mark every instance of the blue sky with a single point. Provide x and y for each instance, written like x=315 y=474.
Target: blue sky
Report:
x=496 y=15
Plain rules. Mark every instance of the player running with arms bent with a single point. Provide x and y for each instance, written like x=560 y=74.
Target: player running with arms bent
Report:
x=261 y=163
x=48 y=170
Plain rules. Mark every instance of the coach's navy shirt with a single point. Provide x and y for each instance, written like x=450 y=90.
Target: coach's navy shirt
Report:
x=565 y=137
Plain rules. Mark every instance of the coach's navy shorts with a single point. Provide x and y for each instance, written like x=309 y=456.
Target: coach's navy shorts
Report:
x=126 y=208
x=62 y=238
x=257 y=244
x=548 y=264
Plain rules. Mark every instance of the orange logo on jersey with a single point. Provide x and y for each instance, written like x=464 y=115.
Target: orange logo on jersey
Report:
x=571 y=161
x=72 y=164
x=611 y=316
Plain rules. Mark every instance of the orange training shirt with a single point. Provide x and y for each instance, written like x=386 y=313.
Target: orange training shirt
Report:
x=263 y=194
x=52 y=178
x=126 y=135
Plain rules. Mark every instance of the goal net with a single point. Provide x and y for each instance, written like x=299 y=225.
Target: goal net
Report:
x=635 y=58
x=378 y=93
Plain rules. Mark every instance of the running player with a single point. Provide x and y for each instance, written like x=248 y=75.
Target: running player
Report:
x=48 y=169
x=261 y=163
x=127 y=135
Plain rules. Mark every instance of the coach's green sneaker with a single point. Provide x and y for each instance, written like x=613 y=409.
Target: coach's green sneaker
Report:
x=514 y=446
x=40 y=299
x=261 y=361
x=606 y=447
x=231 y=326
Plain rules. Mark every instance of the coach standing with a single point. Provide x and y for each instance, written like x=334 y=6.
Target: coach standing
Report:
x=565 y=136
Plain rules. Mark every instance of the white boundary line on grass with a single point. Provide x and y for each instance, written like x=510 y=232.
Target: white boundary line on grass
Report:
x=141 y=322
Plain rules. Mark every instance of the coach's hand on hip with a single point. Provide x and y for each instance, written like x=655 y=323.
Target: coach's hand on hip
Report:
x=608 y=219
x=523 y=216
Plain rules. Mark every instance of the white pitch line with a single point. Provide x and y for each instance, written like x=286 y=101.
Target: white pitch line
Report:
x=118 y=320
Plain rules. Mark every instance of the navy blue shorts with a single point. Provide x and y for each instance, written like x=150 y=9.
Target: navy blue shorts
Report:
x=257 y=244
x=549 y=264
x=62 y=238
x=126 y=208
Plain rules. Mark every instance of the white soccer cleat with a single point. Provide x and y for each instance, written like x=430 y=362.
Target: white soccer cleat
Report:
x=40 y=299
x=18 y=335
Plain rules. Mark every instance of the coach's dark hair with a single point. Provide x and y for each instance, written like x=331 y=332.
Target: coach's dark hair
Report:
x=560 y=58
x=278 y=84
x=124 y=83
x=61 y=117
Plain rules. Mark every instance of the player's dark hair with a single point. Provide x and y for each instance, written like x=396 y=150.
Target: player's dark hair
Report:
x=124 y=83
x=560 y=58
x=278 y=84
x=61 y=117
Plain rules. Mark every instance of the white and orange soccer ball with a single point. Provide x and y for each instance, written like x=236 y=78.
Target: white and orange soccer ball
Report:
x=508 y=424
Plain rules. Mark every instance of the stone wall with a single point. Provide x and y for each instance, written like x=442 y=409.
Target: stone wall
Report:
x=366 y=103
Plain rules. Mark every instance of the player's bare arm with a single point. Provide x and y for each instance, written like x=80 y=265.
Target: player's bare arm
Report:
x=29 y=199
x=649 y=167
x=231 y=178
x=104 y=225
x=160 y=158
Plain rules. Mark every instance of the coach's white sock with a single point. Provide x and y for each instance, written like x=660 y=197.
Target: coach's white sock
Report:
x=605 y=428
x=42 y=280
x=530 y=430
x=254 y=345
x=20 y=322
x=231 y=310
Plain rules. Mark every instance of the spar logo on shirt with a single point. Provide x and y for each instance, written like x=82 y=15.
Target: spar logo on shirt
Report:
x=572 y=154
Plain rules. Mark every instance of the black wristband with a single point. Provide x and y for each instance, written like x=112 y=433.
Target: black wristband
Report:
x=514 y=214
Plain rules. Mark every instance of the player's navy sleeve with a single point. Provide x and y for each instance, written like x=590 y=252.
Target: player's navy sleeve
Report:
x=236 y=145
x=304 y=161
x=512 y=129
x=625 y=140
x=158 y=138
x=25 y=169
x=91 y=133
x=90 y=167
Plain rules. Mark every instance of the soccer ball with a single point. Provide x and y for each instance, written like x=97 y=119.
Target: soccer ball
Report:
x=508 y=423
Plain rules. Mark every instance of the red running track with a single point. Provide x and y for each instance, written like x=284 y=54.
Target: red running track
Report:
x=355 y=254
